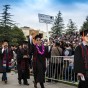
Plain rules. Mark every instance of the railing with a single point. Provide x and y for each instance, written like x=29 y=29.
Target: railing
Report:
x=61 y=68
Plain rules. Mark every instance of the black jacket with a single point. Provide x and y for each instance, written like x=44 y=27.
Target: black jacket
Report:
x=79 y=65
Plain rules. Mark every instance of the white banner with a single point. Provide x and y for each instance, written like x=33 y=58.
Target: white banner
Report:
x=45 y=18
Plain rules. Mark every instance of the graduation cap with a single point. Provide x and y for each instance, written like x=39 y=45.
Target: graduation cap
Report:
x=25 y=42
x=83 y=33
x=20 y=43
x=38 y=36
x=5 y=41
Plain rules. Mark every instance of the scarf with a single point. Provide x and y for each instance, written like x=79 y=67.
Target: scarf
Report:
x=85 y=55
x=7 y=56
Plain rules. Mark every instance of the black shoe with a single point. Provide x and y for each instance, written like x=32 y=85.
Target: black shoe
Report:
x=19 y=82
x=48 y=80
x=35 y=84
x=26 y=83
x=2 y=79
x=42 y=85
x=5 y=81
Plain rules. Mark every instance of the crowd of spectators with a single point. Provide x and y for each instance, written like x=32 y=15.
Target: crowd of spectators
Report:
x=64 y=45
x=67 y=42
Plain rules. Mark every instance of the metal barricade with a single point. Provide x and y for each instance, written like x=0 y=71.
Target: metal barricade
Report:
x=61 y=68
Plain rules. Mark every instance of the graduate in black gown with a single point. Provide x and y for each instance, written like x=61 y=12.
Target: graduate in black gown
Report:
x=39 y=61
x=81 y=60
x=23 y=63
x=5 y=62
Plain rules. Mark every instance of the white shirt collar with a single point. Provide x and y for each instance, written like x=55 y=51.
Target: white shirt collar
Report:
x=84 y=43
x=30 y=39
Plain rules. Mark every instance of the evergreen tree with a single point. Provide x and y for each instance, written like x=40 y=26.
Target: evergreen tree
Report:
x=17 y=35
x=11 y=33
x=71 y=27
x=6 y=17
x=85 y=24
x=4 y=33
x=58 y=25
x=14 y=35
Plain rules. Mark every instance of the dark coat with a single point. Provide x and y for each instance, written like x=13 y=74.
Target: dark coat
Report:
x=6 y=60
x=1 y=60
x=23 y=64
x=39 y=64
x=79 y=65
x=48 y=52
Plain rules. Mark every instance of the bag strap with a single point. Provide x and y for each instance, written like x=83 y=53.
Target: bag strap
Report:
x=59 y=51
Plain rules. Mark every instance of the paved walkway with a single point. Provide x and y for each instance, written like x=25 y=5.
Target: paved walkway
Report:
x=13 y=83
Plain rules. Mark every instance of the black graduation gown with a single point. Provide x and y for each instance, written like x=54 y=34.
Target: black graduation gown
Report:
x=79 y=65
x=22 y=64
x=1 y=60
x=7 y=68
x=39 y=64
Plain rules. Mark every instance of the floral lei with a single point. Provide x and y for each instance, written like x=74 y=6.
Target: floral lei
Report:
x=43 y=49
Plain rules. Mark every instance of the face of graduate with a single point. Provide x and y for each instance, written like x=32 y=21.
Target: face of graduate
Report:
x=86 y=38
x=38 y=41
x=5 y=44
x=20 y=46
x=24 y=45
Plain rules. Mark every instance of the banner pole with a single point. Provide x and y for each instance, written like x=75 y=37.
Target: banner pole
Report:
x=47 y=32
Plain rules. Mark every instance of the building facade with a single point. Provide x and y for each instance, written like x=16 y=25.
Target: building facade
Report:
x=30 y=31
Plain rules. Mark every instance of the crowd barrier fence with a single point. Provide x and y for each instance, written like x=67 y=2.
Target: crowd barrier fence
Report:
x=61 y=68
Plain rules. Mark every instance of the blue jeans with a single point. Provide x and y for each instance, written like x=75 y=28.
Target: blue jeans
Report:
x=4 y=76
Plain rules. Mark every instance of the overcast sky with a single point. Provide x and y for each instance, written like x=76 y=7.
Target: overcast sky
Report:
x=26 y=11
